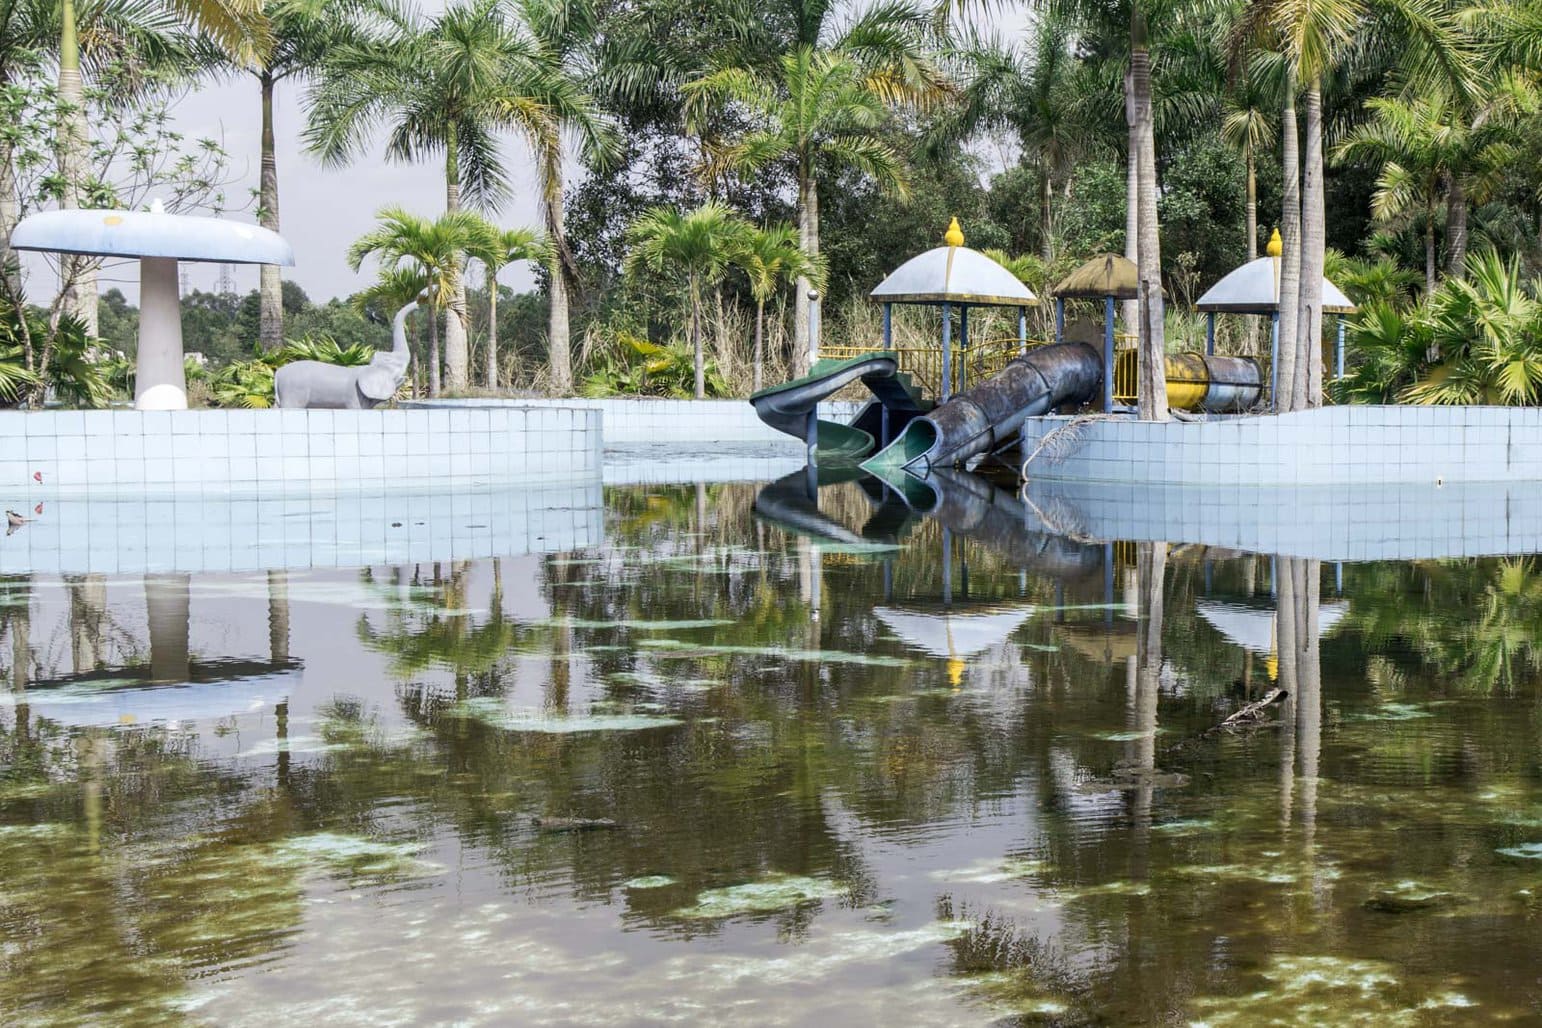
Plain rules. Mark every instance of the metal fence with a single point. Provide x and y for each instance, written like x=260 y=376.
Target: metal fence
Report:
x=980 y=360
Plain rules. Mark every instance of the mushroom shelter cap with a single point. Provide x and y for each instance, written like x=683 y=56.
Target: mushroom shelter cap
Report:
x=154 y=233
x=1254 y=288
x=953 y=274
x=1109 y=275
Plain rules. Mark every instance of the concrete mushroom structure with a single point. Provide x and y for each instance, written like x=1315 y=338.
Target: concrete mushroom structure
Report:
x=1254 y=288
x=159 y=240
x=1108 y=278
x=953 y=276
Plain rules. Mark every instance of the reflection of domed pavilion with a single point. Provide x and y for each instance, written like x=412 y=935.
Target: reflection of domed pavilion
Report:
x=955 y=634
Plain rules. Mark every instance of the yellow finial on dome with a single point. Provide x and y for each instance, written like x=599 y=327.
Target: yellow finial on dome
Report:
x=1276 y=246
x=954 y=235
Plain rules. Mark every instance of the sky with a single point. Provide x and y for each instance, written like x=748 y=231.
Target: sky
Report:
x=322 y=210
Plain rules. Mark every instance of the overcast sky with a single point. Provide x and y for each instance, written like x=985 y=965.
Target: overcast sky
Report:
x=323 y=210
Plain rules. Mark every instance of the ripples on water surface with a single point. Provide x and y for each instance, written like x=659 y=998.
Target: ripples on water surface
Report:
x=644 y=783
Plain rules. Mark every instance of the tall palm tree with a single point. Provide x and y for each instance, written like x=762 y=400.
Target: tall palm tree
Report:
x=822 y=108
x=565 y=33
x=301 y=33
x=697 y=246
x=1314 y=36
x=496 y=249
x=429 y=247
x=237 y=26
x=769 y=257
x=1151 y=389
x=1037 y=91
x=444 y=86
x=820 y=90
x=1249 y=125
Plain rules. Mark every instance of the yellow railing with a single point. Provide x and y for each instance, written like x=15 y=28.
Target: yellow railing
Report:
x=981 y=360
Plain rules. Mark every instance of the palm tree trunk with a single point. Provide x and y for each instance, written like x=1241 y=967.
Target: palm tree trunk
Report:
x=1046 y=218
x=1290 y=260
x=1456 y=228
x=1152 y=385
x=492 y=329
x=1252 y=201
x=1429 y=247
x=760 y=340
x=808 y=236
x=79 y=272
x=457 y=356
x=701 y=378
x=433 y=357
x=271 y=282
x=10 y=213
x=1308 y=381
x=1129 y=310
x=559 y=343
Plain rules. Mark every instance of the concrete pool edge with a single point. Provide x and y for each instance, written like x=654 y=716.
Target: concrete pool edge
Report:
x=1344 y=445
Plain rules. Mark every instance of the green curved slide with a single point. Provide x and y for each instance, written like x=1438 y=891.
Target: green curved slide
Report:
x=787 y=407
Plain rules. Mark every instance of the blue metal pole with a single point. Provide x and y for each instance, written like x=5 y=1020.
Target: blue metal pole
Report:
x=963 y=346
x=1108 y=354
x=1274 y=360
x=947 y=351
x=1108 y=583
x=888 y=326
x=1059 y=319
x=1022 y=331
x=1210 y=334
x=1338 y=350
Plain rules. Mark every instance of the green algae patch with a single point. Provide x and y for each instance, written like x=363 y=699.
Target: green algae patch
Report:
x=1409 y=896
x=1192 y=826
x=778 y=892
x=493 y=712
x=1120 y=888
x=991 y=872
x=1317 y=990
x=1390 y=712
x=1130 y=736
x=353 y=853
x=682 y=649
x=638 y=624
x=649 y=882
x=1525 y=851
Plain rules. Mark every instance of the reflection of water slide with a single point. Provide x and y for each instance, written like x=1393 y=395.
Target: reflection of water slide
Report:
x=986 y=417
x=790 y=407
x=971 y=507
x=786 y=503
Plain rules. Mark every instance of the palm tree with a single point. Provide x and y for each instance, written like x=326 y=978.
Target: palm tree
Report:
x=1039 y=93
x=1433 y=147
x=564 y=33
x=237 y=26
x=697 y=246
x=769 y=257
x=1314 y=36
x=302 y=32
x=1248 y=124
x=823 y=108
x=497 y=249
x=1151 y=388
x=445 y=86
x=430 y=248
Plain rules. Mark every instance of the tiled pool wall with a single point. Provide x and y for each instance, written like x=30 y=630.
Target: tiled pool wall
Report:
x=1391 y=521
x=1331 y=445
x=193 y=531
x=701 y=423
x=278 y=451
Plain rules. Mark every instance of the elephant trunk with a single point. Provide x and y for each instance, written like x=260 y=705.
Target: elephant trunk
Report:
x=399 y=331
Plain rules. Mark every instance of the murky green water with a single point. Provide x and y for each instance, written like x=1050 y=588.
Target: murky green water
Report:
x=646 y=784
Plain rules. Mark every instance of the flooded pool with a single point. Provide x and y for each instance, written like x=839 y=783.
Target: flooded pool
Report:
x=749 y=762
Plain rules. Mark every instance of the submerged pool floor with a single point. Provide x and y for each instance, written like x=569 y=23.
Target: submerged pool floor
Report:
x=714 y=771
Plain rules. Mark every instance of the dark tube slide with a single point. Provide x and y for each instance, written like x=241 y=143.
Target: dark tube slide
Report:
x=987 y=417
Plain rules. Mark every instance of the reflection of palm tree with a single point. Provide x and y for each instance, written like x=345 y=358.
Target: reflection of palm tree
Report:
x=1151 y=570
x=88 y=609
x=167 y=609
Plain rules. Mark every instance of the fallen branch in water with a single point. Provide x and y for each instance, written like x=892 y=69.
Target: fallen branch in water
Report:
x=1250 y=717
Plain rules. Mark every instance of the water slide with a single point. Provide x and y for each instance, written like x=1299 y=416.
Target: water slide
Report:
x=986 y=417
x=790 y=407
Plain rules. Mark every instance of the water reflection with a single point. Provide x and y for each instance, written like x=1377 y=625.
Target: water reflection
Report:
x=761 y=758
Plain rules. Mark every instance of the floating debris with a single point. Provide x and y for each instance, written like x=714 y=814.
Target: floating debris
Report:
x=492 y=711
x=648 y=882
x=1390 y=712
x=575 y=824
x=1407 y=896
x=991 y=872
x=1525 y=851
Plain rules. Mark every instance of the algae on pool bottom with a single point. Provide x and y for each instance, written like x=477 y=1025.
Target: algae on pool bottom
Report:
x=645 y=782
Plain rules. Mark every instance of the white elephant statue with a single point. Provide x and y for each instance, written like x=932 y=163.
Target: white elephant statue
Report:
x=318 y=385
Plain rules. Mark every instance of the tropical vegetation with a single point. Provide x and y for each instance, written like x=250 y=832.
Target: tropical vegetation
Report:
x=733 y=159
